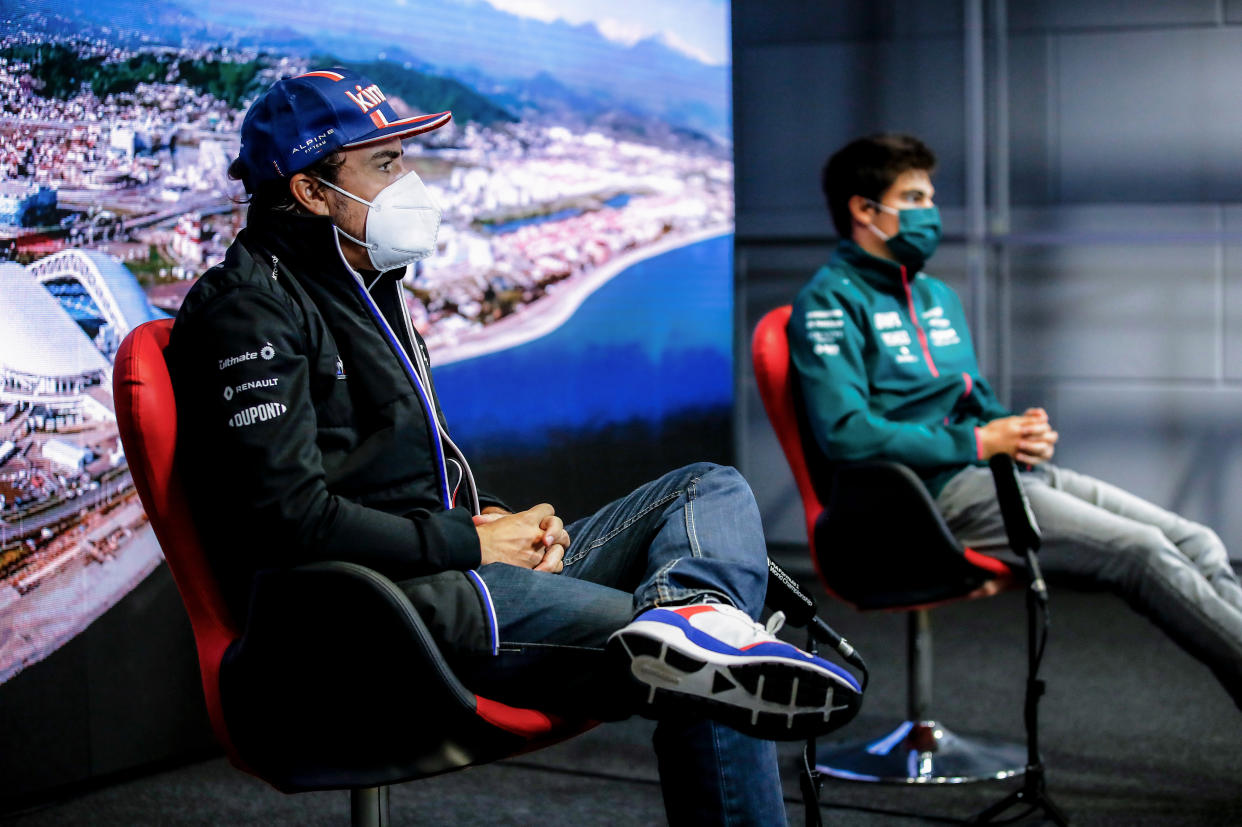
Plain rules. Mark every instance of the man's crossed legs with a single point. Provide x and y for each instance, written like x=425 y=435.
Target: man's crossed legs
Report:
x=686 y=554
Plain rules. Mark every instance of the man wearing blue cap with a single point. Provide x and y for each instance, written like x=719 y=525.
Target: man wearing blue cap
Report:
x=308 y=393
x=886 y=370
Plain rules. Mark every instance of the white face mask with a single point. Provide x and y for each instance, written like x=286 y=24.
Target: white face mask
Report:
x=401 y=225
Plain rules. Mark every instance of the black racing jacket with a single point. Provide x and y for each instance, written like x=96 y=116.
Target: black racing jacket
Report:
x=309 y=428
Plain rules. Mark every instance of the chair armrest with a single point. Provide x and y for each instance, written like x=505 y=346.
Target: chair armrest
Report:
x=334 y=678
x=882 y=543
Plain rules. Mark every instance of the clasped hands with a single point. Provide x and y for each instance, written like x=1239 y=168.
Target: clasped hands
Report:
x=1027 y=438
x=533 y=539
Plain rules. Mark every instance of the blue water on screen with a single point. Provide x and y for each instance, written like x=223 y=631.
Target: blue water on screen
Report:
x=653 y=343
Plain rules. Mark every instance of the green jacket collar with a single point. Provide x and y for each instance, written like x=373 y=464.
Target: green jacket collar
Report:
x=880 y=273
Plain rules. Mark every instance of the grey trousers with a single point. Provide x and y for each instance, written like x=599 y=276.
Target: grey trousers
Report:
x=1170 y=569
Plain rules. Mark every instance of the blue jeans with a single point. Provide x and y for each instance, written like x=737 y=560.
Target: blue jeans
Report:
x=692 y=534
x=1173 y=571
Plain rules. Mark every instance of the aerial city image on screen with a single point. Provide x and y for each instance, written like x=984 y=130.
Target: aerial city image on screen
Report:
x=587 y=142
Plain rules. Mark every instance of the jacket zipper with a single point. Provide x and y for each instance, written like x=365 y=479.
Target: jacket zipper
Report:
x=412 y=373
x=424 y=369
x=914 y=317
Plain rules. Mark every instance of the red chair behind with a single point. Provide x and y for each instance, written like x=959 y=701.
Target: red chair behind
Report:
x=879 y=543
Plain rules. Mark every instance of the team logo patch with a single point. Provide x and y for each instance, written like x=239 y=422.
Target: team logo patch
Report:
x=268 y=351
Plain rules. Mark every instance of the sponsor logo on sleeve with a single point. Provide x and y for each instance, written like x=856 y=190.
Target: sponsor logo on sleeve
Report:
x=238 y=359
x=826 y=349
x=887 y=320
x=943 y=338
x=824 y=318
x=256 y=413
x=270 y=382
x=265 y=352
x=340 y=369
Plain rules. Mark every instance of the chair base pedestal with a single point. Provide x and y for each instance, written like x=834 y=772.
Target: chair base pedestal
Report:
x=922 y=752
x=368 y=807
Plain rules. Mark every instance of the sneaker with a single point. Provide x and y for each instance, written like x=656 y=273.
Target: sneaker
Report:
x=716 y=657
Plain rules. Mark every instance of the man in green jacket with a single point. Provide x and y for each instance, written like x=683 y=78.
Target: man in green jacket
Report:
x=886 y=370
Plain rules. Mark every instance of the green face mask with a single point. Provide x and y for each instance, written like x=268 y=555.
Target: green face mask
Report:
x=918 y=234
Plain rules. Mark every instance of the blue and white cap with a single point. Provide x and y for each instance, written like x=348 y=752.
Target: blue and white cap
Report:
x=302 y=119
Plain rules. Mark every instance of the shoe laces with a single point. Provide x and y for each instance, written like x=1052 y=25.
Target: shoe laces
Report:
x=758 y=630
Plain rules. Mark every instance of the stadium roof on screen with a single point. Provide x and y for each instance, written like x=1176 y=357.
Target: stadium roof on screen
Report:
x=37 y=336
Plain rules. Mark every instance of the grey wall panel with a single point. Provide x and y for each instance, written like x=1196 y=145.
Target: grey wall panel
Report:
x=796 y=104
x=1114 y=312
x=1052 y=15
x=1181 y=449
x=1231 y=298
x=795 y=21
x=1133 y=223
x=1233 y=11
x=1149 y=115
x=1032 y=87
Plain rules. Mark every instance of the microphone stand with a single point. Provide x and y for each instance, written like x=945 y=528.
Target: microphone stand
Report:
x=1024 y=539
x=785 y=595
x=810 y=779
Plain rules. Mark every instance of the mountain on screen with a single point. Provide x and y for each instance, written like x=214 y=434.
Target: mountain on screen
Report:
x=504 y=56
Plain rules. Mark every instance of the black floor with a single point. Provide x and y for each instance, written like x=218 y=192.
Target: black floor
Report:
x=1134 y=733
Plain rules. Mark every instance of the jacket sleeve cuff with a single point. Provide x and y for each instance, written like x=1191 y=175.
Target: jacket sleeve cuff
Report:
x=460 y=549
x=487 y=500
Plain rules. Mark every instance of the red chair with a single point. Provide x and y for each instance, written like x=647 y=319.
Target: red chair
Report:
x=878 y=543
x=334 y=682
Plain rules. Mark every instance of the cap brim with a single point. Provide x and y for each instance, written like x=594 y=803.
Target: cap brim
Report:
x=403 y=128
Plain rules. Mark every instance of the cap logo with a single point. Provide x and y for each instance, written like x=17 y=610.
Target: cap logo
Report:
x=366 y=99
x=313 y=143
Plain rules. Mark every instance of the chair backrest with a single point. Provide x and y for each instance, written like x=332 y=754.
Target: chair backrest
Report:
x=916 y=562
x=146 y=414
x=147 y=419
x=770 y=356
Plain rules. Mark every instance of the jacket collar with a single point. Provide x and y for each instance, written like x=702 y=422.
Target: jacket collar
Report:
x=305 y=244
x=880 y=273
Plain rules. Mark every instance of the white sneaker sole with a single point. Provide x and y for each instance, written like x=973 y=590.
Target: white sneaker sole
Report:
x=767 y=696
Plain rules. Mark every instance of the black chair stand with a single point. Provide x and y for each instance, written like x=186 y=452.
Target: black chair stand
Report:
x=368 y=807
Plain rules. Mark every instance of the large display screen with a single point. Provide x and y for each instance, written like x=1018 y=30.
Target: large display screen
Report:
x=578 y=309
